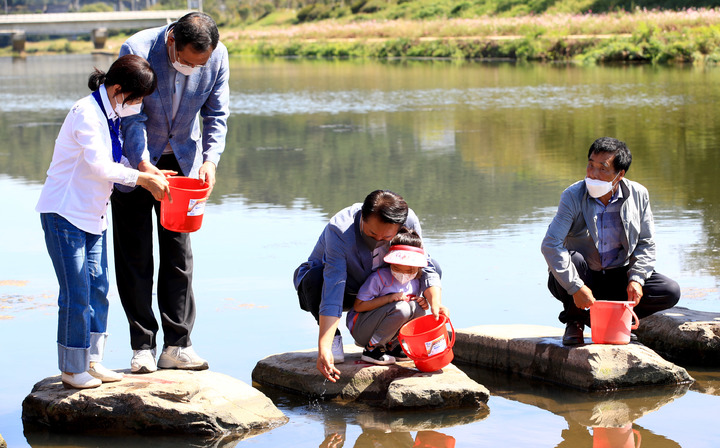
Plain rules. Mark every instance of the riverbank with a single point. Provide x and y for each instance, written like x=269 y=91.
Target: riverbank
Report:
x=690 y=36
x=640 y=36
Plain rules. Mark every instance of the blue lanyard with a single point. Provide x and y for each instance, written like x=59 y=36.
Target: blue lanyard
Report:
x=114 y=127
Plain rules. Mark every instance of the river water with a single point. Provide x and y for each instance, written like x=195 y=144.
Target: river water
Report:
x=481 y=151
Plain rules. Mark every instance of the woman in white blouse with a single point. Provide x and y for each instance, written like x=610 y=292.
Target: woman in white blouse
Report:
x=73 y=204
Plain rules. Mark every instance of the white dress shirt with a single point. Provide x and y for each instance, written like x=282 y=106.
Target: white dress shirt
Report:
x=82 y=172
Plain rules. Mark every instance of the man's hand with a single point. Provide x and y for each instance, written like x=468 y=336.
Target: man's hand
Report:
x=584 y=298
x=634 y=292
x=443 y=310
x=325 y=360
x=207 y=174
x=326 y=364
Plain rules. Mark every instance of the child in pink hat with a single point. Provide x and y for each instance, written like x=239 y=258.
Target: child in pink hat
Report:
x=388 y=299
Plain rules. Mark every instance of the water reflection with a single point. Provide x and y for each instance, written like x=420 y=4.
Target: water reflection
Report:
x=377 y=427
x=599 y=419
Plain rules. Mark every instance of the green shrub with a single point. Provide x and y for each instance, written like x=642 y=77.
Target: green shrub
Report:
x=372 y=6
x=357 y=5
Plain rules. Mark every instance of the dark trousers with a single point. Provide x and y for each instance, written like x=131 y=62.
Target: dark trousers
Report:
x=310 y=294
x=134 y=269
x=659 y=292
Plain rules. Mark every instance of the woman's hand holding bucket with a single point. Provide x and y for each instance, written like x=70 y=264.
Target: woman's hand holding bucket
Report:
x=156 y=184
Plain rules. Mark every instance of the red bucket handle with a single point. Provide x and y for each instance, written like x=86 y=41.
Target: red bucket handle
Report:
x=634 y=316
x=452 y=329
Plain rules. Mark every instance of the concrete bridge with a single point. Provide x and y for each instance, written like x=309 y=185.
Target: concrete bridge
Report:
x=95 y=23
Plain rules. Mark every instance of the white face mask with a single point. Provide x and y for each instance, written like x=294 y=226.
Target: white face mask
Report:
x=402 y=278
x=599 y=188
x=126 y=110
x=182 y=68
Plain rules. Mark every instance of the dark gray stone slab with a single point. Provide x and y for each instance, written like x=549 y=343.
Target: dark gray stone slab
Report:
x=684 y=336
x=537 y=352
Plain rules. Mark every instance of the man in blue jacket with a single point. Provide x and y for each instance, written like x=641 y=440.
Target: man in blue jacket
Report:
x=192 y=71
x=351 y=247
x=600 y=244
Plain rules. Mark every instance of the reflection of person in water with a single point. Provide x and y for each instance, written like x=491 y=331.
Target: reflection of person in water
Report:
x=577 y=435
x=379 y=435
x=379 y=438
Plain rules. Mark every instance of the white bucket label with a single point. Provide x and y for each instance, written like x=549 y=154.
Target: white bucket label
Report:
x=196 y=207
x=437 y=345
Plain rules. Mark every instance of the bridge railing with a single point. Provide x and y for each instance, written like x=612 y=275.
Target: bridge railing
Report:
x=95 y=23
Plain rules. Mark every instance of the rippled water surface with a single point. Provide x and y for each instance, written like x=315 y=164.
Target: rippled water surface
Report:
x=480 y=151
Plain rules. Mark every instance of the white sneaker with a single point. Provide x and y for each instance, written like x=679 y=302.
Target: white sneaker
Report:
x=143 y=361
x=79 y=381
x=103 y=374
x=337 y=350
x=185 y=358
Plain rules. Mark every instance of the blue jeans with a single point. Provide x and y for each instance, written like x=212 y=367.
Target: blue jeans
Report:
x=81 y=266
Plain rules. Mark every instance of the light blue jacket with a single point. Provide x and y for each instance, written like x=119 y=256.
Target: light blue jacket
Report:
x=348 y=261
x=206 y=92
x=574 y=228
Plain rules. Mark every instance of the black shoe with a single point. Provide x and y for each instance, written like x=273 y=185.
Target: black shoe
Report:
x=377 y=355
x=573 y=334
x=633 y=337
x=397 y=353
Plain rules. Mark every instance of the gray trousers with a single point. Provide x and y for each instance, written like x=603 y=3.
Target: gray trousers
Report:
x=381 y=325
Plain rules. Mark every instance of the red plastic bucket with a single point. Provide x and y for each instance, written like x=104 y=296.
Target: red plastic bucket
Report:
x=185 y=212
x=610 y=321
x=425 y=340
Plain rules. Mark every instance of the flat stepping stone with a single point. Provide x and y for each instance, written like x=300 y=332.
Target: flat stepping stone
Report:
x=685 y=336
x=399 y=386
x=205 y=404
x=537 y=351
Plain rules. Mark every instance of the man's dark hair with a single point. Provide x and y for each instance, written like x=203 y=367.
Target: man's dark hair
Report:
x=622 y=159
x=406 y=237
x=387 y=206
x=198 y=30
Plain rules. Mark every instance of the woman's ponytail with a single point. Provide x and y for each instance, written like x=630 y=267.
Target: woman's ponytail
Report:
x=96 y=79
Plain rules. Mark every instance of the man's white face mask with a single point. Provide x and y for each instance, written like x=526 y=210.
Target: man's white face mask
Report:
x=599 y=188
x=182 y=68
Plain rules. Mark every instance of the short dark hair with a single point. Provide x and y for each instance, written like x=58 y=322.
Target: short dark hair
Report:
x=406 y=237
x=387 y=206
x=131 y=72
x=623 y=157
x=198 y=30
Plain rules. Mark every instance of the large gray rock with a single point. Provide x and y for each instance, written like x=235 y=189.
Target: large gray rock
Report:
x=392 y=387
x=684 y=336
x=537 y=352
x=205 y=404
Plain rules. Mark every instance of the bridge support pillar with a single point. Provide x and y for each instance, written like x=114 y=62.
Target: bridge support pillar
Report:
x=99 y=37
x=18 y=41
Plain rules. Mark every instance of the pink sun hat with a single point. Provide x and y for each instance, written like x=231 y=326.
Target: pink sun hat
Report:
x=406 y=256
